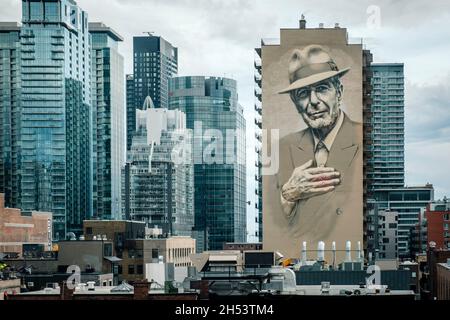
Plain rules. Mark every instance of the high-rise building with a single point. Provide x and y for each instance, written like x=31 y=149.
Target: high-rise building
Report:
x=160 y=179
x=388 y=146
x=10 y=112
x=213 y=112
x=55 y=116
x=108 y=124
x=131 y=109
x=283 y=66
x=155 y=60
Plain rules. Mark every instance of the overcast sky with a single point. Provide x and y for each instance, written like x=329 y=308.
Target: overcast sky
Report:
x=217 y=38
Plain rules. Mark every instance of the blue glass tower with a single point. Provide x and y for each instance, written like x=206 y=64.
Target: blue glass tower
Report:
x=212 y=110
x=388 y=117
x=9 y=112
x=108 y=121
x=56 y=105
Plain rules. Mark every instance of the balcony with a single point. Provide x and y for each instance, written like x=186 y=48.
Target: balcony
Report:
x=258 y=123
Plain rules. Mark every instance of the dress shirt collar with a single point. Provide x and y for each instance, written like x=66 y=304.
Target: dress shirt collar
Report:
x=331 y=136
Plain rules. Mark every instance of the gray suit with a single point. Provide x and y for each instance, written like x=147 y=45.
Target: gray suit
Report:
x=334 y=216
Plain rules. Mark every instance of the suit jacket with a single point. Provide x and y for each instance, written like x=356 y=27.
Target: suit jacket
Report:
x=334 y=216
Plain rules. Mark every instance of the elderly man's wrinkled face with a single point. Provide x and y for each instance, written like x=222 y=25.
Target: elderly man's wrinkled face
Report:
x=319 y=103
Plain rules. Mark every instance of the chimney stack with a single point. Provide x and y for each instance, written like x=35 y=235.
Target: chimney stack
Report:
x=321 y=251
x=348 y=251
x=304 y=257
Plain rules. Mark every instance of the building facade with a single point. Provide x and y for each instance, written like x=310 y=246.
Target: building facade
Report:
x=387 y=234
x=136 y=247
x=258 y=144
x=160 y=189
x=108 y=125
x=286 y=70
x=10 y=112
x=437 y=215
x=131 y=109
x=55 y=113
x=213 y=112
x=443 y=280
x=388 y=117
x=17 y=230
x=408 y=202
x=155 y=60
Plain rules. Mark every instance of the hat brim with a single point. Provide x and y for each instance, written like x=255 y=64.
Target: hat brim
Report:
x=300 y=83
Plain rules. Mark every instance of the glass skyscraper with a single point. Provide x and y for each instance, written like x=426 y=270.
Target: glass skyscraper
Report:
x=9 y=112
x=160 y=188
x=155 y=60
x=55 y=117
x=212 y=110
x=108 y=121
x=388 y=162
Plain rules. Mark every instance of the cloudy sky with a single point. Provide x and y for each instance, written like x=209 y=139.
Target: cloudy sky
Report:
x=217 y=38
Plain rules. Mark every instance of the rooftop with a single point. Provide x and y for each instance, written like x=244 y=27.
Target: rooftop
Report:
x=9 y=26
x=98 y=27
x=445 y=265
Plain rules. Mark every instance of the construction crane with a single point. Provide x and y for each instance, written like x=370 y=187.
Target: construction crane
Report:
x=150 y=33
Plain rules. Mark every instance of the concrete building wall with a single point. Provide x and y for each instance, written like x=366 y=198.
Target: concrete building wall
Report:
x=336 y=216
x=86 y=254
x=173 y=250
x=388 y=240
x=9 y=286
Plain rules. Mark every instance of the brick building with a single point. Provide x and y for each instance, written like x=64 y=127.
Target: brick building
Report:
x=437 y=216
x=17 y=230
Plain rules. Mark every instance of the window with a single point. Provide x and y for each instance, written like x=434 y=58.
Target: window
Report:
x=392 y=225
x=89 y=230
x=155 y=253
x=107 y=249
x=140 y=269
x=131 y=269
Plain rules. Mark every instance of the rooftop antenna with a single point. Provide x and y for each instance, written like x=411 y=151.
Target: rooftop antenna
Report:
x=150 y=33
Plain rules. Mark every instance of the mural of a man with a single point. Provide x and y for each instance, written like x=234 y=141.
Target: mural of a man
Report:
x=322 y=164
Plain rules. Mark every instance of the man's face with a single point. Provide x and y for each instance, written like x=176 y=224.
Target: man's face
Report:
x=319 y=103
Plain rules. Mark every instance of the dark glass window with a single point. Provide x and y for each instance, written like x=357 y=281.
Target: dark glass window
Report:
x=140 y=269
x=131 y=269
x=107 y=249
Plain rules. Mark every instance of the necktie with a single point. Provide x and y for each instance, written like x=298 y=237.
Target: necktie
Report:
x=321 y=154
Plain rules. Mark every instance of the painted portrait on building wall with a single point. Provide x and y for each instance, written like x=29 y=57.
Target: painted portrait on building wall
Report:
x=312 y=94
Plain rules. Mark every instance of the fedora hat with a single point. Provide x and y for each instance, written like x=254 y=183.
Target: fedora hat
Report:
x=310 y=65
